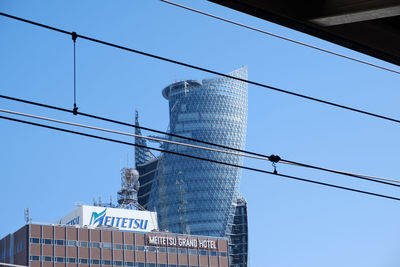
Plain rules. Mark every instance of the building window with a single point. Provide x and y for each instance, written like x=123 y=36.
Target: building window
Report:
x=140 y=248
x=129 y=247
x=95 y=261
x=59 y=242
x=117 y=246
x=171 y=250
x=118 y=263
x=71 y=260
x=192 y=252
x=47 y=241
x=107 y=245
x=83 y=261
x=95 y=244
x=162 y=249
x=46 y=258
x=151 y=265
x=222 y=254
x=139 y=264
x=34 y=258
x=84 y=244
x=213 y=253
x=203 y=252
x=71 y=243
x=59 y=259
x=152 y=249
x=34 y=240
x=129 y=263
x=182 y=251
x=106 y=262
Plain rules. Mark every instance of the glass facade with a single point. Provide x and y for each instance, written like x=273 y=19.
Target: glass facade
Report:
x=193 y=196
x=238 y=238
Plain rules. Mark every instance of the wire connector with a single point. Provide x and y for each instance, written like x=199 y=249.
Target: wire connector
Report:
x=274 y=159
x=74 y=36
x=75 y=110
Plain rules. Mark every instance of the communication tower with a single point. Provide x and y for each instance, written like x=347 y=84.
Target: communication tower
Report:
x=127 y=196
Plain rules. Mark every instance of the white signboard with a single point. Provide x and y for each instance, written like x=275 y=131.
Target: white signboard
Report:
x=123 y=219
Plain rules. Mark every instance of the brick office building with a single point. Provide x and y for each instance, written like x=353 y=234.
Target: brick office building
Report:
x=39 y=245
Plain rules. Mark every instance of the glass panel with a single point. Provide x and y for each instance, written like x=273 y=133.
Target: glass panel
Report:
x=35 y=240
x=140 y=248
x=152 y=249
x=192 y=252
x=171 y=250
x=129 y=247
x=107 y=245
x=71 y=243
x=95 y=245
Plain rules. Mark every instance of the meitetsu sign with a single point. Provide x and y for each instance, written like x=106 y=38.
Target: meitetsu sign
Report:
x=123 y=219
x=181 y=242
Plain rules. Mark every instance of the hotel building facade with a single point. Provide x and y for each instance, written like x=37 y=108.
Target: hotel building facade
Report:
x=39 y=245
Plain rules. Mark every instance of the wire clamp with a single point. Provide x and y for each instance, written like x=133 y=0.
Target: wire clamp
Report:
x=74 y=36
x=75 y=110
x=274 y=159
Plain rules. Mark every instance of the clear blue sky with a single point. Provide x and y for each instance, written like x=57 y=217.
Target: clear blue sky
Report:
x=290 y=223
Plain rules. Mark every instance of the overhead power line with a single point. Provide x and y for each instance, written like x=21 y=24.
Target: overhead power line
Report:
x=205 y=70
x=280 y=37
x=204 y=159
x=256 y=155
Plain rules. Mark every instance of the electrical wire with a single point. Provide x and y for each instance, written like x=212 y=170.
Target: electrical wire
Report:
x=75 y=106
x=133 y=135
x=280 y=36
x=257 y=155
x=207 y=70
x=204 y=159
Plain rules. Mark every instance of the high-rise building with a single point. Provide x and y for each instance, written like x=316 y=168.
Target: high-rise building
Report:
x=193 y=196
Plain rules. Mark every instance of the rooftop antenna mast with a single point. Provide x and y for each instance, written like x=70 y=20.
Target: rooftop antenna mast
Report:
x=27 y=215
x=127 y=196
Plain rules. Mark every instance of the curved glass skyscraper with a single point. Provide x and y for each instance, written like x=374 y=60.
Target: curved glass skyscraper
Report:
x=190 y=195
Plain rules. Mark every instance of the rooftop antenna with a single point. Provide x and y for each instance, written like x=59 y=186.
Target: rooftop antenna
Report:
x=27 y=215
x=127 y=196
